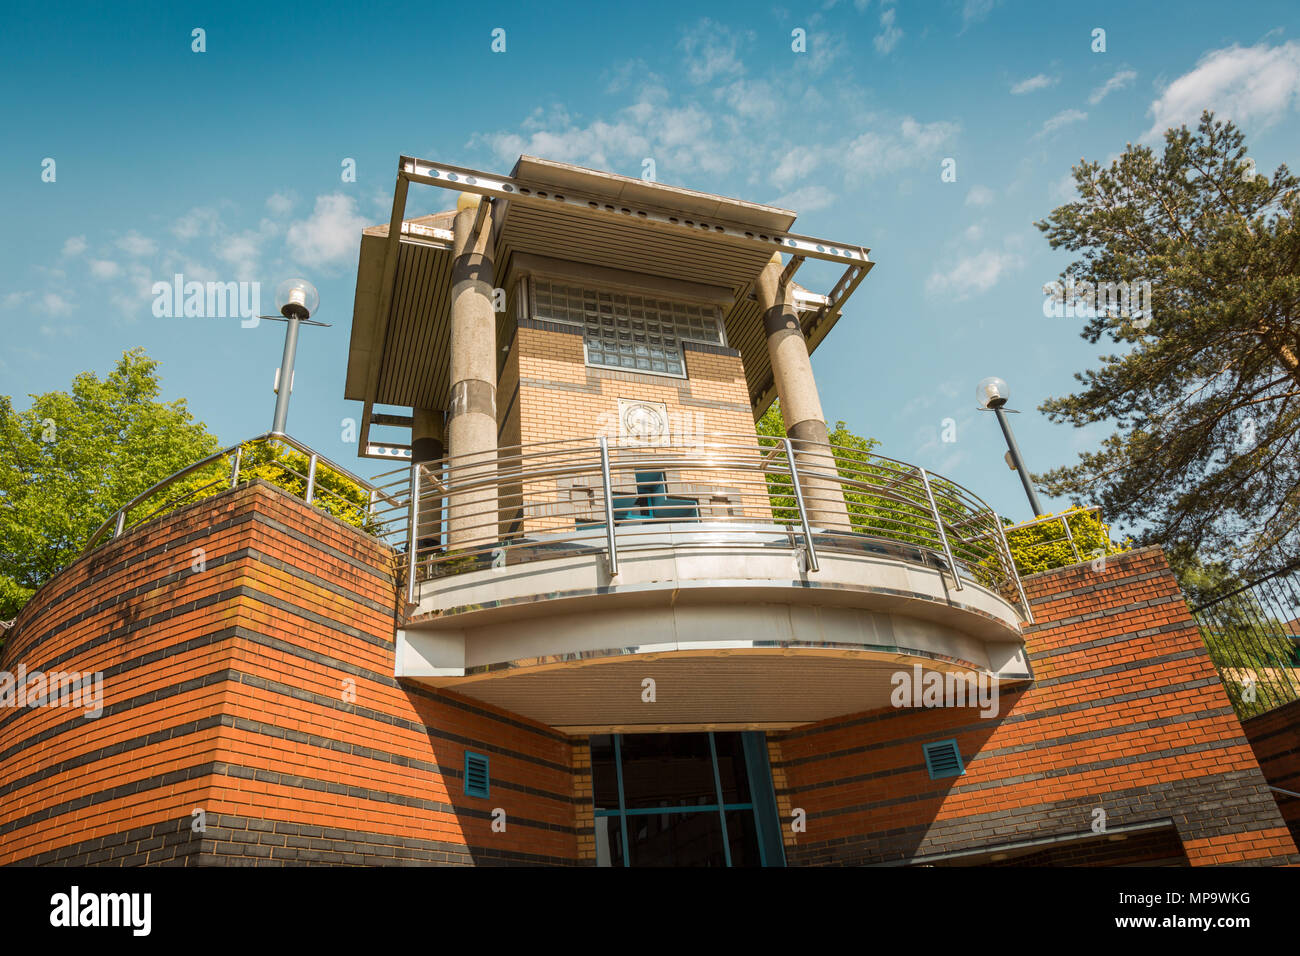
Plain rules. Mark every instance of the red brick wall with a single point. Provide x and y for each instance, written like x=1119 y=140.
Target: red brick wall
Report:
x=260 y=690
x=1275 y=738
x=1126 y=714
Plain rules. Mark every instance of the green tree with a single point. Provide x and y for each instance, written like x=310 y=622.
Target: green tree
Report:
x=886 y=499
x=889 y=504
x=1205 y=395
x=73 y=458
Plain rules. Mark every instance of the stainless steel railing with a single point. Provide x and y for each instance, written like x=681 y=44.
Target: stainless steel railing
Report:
x=313 y=490
x=602 y=497
x=1067 y=535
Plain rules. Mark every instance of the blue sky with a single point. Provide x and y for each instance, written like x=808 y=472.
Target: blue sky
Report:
x=225 y=165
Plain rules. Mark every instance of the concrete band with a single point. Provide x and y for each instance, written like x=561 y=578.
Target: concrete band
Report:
x=779 y=319
x=470 y=396
x=426 y=434
x=473 y=267
x=810 y=430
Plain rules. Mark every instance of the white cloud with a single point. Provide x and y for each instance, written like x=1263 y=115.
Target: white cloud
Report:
x=795 y=164
x=54 y=304
x=279 y=204
x=14 y=299
x=979 y=196
x=873 y=153
x=806 y=199
x=823 y=50
x=330 y=236
x=890 y=33
x=1038 y=82
x=103 y=268
x=973 y=11
x=1246 y=84
x=241 y=252
x=199 y=221
x=1117 y=82
x=679 y=138
x=74 y=246
x=751 y=99
x=134 y=244
x=1063 y=118
x=1064 y=190
x=973 y=275
x=711 y=52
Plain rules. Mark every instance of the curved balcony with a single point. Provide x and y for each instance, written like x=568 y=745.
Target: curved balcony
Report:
x=759 y=582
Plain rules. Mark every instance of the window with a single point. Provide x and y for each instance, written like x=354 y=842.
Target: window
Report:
x=626 y=331
x=701 y=799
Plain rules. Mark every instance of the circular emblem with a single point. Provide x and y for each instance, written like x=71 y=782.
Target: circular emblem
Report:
x=644 y=422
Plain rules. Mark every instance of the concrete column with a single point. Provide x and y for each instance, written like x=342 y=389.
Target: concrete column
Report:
x=801 y=408
x=427 y=446
x=472 y=405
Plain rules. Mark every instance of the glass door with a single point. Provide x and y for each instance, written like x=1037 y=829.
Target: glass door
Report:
x=700 y=799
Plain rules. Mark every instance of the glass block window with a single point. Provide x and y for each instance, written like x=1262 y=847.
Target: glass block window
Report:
x=634 y=332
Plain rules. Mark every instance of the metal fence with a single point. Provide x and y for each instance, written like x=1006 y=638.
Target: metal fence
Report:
x=602 y=497
x=353 y=499
x=1253 y=636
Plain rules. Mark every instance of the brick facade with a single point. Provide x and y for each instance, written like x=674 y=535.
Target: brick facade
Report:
x=1125 y=714
x=547 y=393
x=246 y=643
x=1275 y=738
x=260 y=690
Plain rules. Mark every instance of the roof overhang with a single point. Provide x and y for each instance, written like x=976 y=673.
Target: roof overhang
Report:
x=398 y=354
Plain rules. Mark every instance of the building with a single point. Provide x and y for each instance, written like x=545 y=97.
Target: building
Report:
x=593 y=618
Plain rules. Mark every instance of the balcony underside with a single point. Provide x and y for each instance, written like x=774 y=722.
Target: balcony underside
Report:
x=731 y=628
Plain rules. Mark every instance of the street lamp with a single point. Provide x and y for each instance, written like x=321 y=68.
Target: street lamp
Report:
x=296 y=299
x=991 y=395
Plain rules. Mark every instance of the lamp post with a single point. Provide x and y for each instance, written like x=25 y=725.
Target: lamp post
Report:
x=991 y=395
x=296 y=299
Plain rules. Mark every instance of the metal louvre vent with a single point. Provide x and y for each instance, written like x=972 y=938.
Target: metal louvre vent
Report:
x=943 y=759
x=476 y=775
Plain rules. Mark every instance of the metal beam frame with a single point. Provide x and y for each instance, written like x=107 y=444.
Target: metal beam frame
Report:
x=461 y=179
x=384 y=307
x=791 y=268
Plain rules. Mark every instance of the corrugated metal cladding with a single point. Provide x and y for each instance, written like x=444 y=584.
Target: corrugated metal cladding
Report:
x=415 y=364
x=746 y=687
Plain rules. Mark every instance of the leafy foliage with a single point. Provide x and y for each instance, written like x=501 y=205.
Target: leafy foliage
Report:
x=900 y=513
x=287 y=468
x=73 y=458
x=1042 y=547
x=1206 y=398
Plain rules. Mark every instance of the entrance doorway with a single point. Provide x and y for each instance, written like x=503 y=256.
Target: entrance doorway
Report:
x=702 y=799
